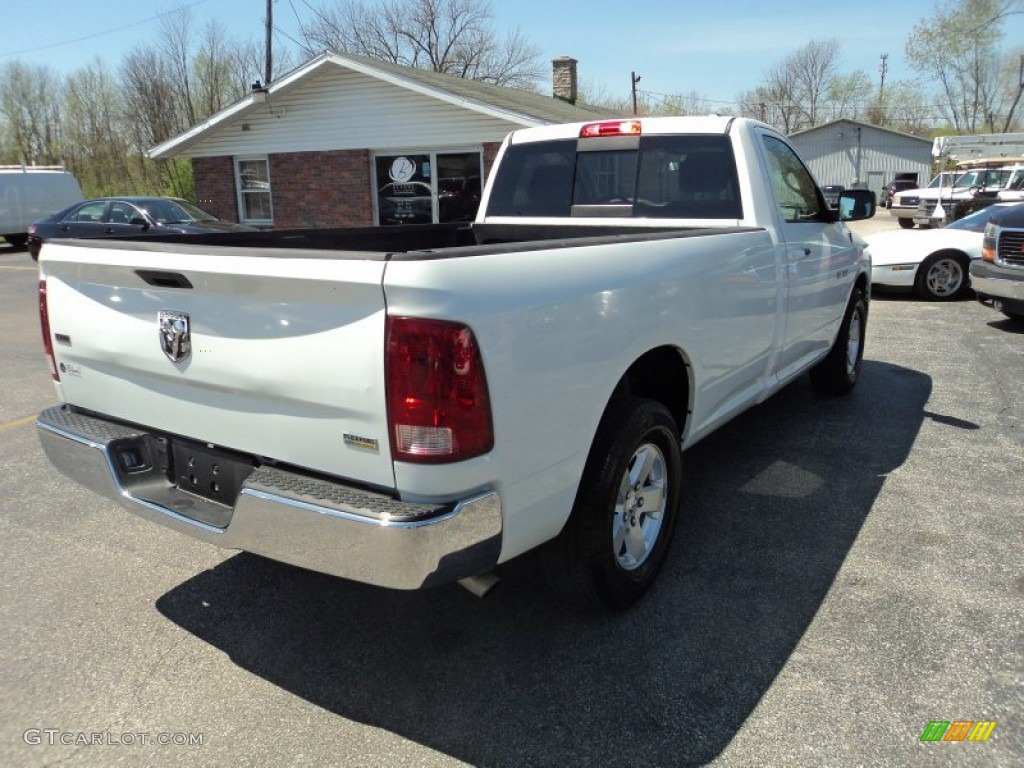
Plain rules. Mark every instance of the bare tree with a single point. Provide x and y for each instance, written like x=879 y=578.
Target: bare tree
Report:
x=213 y=85
x=1013 y=85
x=772 y=103
x=245 y=62
x=153 y=114
x=175 y=48
x=794 y=93
x=957 y=48
x=812 y=70
x=450 y=36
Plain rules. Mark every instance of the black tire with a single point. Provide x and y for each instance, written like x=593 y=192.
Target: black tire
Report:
x=612 y=548
x=943 y=277
x=906 y=223
x=838 y=372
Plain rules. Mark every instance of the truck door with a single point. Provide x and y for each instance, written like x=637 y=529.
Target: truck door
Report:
x=819 y=254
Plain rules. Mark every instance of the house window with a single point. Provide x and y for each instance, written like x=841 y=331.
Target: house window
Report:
x=252 y=179
x=427 y=187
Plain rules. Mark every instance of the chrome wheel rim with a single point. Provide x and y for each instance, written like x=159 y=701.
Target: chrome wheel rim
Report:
x=853 y=342
x=640 y=507
x=944 y=277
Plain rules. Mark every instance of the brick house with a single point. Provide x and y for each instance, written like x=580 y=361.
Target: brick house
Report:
x=350 y=141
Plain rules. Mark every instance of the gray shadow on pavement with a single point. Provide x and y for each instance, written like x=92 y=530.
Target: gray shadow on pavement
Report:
x=773 y=504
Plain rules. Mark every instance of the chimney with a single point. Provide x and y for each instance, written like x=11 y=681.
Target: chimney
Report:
x=563 y=78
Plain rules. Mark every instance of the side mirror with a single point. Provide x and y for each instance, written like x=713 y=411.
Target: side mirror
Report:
x=856 y=204
x=138 y=221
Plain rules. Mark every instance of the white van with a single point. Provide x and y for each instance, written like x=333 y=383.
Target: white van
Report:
x=1014 y=189
x=32 y=192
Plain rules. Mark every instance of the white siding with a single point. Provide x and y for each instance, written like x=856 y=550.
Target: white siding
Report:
x=337 y=109
x=841 y=152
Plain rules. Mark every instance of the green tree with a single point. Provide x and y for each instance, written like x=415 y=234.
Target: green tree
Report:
x=958 y=49
x=30 y=108
x=96 y=144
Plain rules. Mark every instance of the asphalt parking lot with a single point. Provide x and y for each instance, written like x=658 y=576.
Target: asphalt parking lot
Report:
x=848 y=571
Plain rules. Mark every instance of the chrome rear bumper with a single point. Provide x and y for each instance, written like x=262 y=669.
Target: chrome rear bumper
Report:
x=312 y=522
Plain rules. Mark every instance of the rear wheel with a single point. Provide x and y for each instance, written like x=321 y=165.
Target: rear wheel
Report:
x=839 y=371
x=906 y=223
x=942 y=277
x=618 y=534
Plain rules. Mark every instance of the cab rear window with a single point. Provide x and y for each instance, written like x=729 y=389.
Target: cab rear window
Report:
x=692 y=177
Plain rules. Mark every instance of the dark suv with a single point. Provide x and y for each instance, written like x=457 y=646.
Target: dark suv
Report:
x=998 y=276
x=890 y=189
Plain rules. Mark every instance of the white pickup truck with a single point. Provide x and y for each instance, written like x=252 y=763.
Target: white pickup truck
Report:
x=410 y=406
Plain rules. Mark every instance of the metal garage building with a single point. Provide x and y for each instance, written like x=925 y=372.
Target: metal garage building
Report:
x=855 y=154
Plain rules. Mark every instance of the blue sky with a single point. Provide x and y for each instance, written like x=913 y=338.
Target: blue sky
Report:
x=714 y=49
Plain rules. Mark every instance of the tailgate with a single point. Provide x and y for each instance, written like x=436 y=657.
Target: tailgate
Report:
x=286 y=358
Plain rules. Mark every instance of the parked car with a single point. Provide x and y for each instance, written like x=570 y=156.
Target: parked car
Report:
x=893 y=187
x=831 y=192
x=114 y=216
x=999 y=275
x=932 y=262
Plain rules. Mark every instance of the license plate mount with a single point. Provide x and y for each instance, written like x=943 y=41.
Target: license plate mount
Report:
x=212 y=473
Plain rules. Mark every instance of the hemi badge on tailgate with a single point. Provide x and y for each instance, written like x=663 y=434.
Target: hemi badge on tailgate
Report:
x=355 y=441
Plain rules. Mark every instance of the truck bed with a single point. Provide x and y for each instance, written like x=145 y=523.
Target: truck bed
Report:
x=406 y=242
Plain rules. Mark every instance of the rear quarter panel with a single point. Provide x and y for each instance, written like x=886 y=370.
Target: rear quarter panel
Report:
x=558 y=328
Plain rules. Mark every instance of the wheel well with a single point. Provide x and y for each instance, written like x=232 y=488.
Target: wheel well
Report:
x=862 y=283
x=662 y=375
x=947 y=252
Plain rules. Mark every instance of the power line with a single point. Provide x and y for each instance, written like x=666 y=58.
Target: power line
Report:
x=110 y=31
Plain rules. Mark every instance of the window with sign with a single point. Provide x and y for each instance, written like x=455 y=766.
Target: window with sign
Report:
x=252 y=177
x=427 y=187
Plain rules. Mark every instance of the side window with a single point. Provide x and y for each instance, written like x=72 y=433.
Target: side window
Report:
x=89 y=212
x=796 y=194
x=122 y=213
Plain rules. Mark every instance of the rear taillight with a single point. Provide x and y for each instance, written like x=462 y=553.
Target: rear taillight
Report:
x=44 y=321
x=438 y=407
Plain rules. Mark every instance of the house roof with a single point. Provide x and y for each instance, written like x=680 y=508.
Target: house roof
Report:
x=848 y=121
x=517 y=107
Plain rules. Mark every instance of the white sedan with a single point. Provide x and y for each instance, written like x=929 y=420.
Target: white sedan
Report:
x=933 y=262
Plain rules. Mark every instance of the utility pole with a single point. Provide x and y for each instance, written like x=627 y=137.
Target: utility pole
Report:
x=268 y=60
x=635 y=78
x=882 y=68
